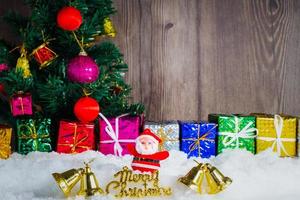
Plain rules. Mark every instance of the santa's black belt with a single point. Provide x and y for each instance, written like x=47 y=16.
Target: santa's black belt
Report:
x=145 y=160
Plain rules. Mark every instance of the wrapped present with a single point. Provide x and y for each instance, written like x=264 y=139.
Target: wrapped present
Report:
x=235 y=132
x=117 y=132
x=298 y=137
x=21 y=104
x=168 y=132
x=5 y=139
x=33 y=135
x=75 y=137
x=276 y=132
x=198 y=139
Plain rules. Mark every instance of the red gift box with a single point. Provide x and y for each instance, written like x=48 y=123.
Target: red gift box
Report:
x=21 y=104
x=75 y=137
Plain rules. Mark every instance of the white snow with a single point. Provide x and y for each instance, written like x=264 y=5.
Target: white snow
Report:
x=263 y=176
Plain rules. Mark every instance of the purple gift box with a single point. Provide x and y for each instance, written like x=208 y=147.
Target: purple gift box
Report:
x=117 y=132
x=21 y=104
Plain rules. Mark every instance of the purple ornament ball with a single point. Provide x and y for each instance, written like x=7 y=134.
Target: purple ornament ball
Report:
x=83 y=69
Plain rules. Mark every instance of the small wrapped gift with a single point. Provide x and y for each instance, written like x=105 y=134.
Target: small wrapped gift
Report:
x=75 y=137
x=21 y=104
x=298 y=137
x=5 y=138
x=278 y=133
x=168 y=132
x=117 y=132
x=198 y=139
x=33 y=135
x=235 y=132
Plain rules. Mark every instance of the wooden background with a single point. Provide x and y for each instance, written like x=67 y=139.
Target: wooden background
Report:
x=188 y=58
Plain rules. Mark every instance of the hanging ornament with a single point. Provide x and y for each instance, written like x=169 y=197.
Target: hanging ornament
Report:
x=86 y=109
x=117 y=89
x=69 y=18
x=82 y=69
x=44 y=55
x=23 y=63
x=109 y=28
x=3 y=67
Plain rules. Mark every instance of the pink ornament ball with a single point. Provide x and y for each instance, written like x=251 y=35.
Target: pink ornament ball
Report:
x=82 y=69
x=3 y=67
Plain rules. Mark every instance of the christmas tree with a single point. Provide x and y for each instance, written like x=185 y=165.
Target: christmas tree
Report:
x=66 y=66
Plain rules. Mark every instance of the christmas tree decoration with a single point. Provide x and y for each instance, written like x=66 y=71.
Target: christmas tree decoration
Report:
x=88 y=182
x=135 y=185
x=83 y=69
x=44 y=55
x=277 y=132
x=21 y=104
x=168 y=132
x=117 y=90
x=109 y=28
x=116 y=132
x=86 y=109
x=146 y=153
x=205 y=179
x=69 y=18
x=23 y=63
x=75 y=137
x=3 y=67
x=5 y=140
x=33 y=135
x=198 y=139
x=235 y=132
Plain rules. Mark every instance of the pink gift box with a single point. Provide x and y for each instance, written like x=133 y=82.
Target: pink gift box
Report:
x=117 y=132
x=75 y=137
x=21 y=104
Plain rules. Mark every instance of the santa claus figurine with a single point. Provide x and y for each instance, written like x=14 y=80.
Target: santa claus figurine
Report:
x=145 y=152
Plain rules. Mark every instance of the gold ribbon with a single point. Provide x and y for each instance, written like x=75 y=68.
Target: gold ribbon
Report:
x=76 y=142
x=33 y=134
x=5 y=149
x=164 y=137
x=196 y=141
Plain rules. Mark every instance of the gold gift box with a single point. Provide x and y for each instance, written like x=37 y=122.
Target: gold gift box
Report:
x=5 y=138
x=298 y=137
x=276 y=132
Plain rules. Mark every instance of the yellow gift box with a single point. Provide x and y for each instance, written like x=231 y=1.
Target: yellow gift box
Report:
x=298 y=137
x=5 y=138
x=277 y=132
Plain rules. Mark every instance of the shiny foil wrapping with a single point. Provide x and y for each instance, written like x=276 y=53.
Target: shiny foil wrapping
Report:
x=198 y=139
x=33 y=135
x=125 y=129
x=298 y=137
x=268 y=134
x=21 y=104
x=5 y=139
x=75 y=137
x=168 y=132
x=235 y=131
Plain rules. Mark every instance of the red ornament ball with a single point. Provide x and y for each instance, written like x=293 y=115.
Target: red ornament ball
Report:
x=86 y=109
x=69 y=18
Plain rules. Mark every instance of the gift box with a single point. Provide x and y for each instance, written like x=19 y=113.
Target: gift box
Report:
x=75 y=137
x=33 y=135
x=298 y=137
x=21 y=104
x=5 y=139
x=198 y=139
x=117 y=132
x=235 y=132
x=168 y=132
x=277 y=132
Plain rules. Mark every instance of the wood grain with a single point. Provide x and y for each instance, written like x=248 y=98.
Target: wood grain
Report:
x=188 y=58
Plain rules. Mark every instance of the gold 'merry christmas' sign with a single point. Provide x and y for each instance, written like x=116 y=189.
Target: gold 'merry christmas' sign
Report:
x=149 y=185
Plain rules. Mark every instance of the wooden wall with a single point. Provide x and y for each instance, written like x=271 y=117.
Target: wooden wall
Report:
x=188 y=58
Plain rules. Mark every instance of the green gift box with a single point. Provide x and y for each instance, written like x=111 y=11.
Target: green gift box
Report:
x=235 y=132
x=33 y=135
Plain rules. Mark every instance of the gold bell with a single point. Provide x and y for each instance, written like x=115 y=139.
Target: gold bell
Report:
x=222 y=180
x=202 y=180
x=68 y=179
x=89 y=185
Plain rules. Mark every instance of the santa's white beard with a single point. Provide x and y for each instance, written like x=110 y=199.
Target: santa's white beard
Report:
x=141 y=150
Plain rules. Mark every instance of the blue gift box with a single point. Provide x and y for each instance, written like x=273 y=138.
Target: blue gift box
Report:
x=198 y=139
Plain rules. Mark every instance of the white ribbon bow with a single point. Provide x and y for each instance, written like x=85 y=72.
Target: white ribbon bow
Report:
x=245 y=133
x=278 y=124
x=114 y=134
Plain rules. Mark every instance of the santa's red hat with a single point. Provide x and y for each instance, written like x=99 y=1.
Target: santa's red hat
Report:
x=147 y=132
